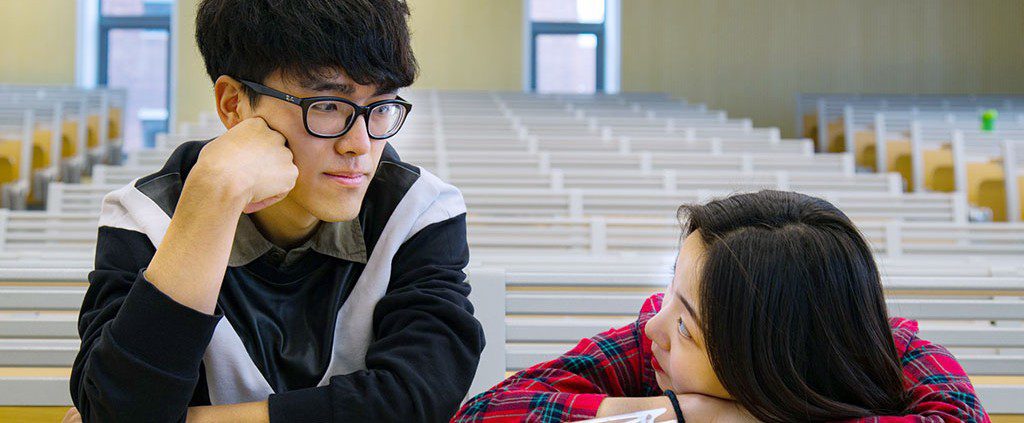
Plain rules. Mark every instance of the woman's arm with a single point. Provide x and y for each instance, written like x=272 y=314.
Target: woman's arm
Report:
x=575 y=386
x=939 y=388
x=614 y=406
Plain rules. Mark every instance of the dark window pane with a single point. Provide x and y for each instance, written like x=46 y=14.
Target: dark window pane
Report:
x=567 y=63
x=579 y=11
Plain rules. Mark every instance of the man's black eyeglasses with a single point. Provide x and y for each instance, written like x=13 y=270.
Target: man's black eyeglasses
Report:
x=332 y=117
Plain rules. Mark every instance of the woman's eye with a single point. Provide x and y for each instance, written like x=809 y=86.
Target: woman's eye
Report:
x=682 y=328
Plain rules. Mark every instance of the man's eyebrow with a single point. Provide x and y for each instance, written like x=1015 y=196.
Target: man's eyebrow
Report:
x=686 y=304
x=342 y=87
x=381 y=92
x=346 y=89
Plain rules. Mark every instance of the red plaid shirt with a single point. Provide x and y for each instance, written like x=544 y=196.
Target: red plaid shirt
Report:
x=617 y=363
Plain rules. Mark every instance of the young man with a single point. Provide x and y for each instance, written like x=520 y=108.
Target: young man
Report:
x=292 y=269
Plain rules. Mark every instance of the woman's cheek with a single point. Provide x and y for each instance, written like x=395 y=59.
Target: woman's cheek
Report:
x=681 y=371
x=691 y=372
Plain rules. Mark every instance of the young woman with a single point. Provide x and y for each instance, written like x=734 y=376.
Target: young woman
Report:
x=776 y=313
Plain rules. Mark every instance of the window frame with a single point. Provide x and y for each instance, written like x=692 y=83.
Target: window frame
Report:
x=609 y=52
x=106 y=24
x=538 y=29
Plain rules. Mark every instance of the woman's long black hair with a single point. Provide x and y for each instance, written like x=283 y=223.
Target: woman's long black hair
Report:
x=792 y=309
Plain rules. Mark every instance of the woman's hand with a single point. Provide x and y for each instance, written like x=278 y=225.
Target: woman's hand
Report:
x=702 y=408
x=696 y=408
x=613 y=406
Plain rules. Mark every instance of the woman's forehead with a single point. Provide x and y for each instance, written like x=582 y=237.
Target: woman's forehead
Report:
x=691 y=252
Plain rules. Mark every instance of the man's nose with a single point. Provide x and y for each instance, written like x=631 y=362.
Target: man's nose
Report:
x=356 y=141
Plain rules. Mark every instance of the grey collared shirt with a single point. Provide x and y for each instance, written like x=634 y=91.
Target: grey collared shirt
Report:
x=342 y=240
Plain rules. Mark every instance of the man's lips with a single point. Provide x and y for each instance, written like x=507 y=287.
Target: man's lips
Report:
x=656 y=365
x=347 y=178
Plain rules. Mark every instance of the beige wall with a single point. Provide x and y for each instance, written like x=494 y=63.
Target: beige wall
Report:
x=751 y=57
x=468 y=44
x=193 y=93
x=37 y=41
x=460 y=44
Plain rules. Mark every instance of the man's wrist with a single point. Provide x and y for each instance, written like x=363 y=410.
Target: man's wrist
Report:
x=249 y=412
x=213 y=186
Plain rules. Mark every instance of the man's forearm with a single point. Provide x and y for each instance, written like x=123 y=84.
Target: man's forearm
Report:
x=190 y=262
x=244 y=412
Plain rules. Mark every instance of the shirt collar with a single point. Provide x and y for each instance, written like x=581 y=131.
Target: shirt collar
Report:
x=343 y=240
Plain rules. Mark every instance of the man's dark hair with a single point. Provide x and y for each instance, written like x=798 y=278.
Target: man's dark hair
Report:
x=308 y=40
x=792 y=309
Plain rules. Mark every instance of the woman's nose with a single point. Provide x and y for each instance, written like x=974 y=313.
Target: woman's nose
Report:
x=655 y=330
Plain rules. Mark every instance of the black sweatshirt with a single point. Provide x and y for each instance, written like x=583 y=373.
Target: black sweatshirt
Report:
x=379 y=330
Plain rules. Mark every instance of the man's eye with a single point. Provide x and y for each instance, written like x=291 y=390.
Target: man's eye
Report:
x=387 y=109
x=325 y=107
x=682 y=328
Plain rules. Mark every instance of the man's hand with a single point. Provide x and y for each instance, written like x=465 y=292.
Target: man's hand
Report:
x=72 y=416
x=248 y=412
x=703 y=408
x=252 y=161
x=246 y=169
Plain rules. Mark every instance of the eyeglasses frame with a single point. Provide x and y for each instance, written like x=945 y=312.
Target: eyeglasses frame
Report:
x=306 y=102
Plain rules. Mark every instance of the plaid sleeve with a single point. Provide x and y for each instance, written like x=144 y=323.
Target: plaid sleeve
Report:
x=571 y=387
x=939 y=388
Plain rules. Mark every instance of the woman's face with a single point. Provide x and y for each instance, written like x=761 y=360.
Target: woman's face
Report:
x=681 y=361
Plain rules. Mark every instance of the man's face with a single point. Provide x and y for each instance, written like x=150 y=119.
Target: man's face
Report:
x=334 y=173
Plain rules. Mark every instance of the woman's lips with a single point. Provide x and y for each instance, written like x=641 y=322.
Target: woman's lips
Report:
x=347 y=179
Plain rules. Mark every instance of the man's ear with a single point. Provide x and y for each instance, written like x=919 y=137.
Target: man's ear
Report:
x=232 y=103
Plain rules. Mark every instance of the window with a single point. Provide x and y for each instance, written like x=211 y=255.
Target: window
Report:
x=567 y=45
x=134 y=54
x=575 y=11
x=123 y=8
x=566 y=63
